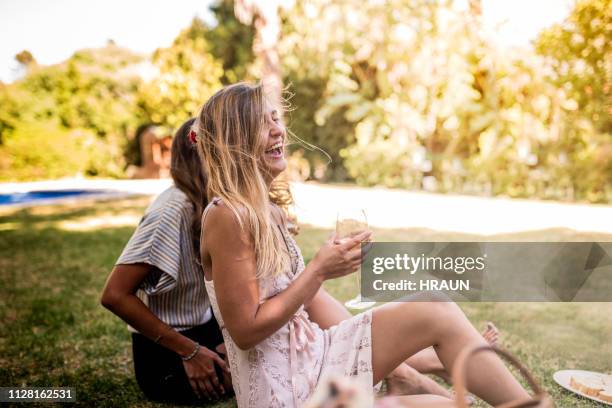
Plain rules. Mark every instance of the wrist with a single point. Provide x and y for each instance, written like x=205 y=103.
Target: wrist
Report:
x=180 y=344
x=193 y=353
x=314 y=283
x=316 y=271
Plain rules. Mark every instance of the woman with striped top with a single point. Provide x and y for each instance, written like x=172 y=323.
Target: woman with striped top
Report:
x=157 y=287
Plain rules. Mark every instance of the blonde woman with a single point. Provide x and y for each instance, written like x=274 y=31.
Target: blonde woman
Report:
x=262 y=293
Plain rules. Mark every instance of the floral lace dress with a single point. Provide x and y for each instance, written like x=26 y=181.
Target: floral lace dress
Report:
x=284 y=369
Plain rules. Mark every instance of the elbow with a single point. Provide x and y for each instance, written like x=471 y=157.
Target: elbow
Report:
x=244 y=344
x=109 y=299
x=244 y=341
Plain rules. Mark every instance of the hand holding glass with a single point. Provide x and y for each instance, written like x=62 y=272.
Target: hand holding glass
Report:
x=348 y=224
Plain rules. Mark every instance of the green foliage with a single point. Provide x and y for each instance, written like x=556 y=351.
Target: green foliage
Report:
x=436 y=106
x=580 y=55
x=93 y=89
x=328 y=138
x=71 y=118
x=188 y=75
x=306 y=73
x=49 y=150
x=231 y=43
x=580 y=51
x=25 y=57
x=403 y=93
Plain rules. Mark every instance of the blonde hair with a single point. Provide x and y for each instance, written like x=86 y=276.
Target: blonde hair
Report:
x=228 y=131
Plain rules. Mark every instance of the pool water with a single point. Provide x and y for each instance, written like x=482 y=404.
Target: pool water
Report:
x=45 y=195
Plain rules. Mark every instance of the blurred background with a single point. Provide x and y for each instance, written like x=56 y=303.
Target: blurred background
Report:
x=479 y=120
x=481 y=97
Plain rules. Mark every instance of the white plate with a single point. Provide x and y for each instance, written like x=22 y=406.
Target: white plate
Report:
x=563 y=379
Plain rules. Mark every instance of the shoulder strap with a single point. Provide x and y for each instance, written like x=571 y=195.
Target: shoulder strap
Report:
x=281 y=214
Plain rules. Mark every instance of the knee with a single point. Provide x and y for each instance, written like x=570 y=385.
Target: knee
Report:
x=431 y=314
x=437 y=310
x=446 y=316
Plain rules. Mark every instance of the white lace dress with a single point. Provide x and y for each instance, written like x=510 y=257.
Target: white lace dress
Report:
x=284 y=369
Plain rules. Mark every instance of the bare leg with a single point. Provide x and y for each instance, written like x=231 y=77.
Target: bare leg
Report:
x=405 y=380
x=326 y=311
x=427 y=361
x=345 y=392
x=399 y=330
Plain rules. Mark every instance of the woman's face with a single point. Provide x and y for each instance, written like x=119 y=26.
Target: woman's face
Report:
x=273 y=136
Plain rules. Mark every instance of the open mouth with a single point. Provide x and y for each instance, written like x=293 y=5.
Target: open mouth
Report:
x=276 y=151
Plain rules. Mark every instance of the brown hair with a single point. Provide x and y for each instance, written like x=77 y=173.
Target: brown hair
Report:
x=189 y=177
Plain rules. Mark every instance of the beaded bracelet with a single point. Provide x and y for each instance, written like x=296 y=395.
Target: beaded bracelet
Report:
x=193 y=353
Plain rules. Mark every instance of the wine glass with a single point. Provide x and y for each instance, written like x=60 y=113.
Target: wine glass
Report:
x=348 y=224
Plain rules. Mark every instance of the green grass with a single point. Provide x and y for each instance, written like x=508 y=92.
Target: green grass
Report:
x=54 y=261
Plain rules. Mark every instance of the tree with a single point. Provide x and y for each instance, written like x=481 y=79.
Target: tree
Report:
x=580 y=51
x=187 y=76
x=79 y=112
x=264 y=15
x=25 y=58
x=435 y=105
x=231 y=43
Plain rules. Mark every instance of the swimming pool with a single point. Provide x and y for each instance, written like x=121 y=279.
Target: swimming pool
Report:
x=49 y=195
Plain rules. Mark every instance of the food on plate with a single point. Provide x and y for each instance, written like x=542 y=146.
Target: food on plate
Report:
x=606 y=395
x=590 y=385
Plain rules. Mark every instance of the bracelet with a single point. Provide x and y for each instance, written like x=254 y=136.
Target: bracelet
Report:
x=158 y=338
x=193 y=353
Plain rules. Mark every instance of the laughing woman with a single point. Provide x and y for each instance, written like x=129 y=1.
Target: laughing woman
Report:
x=261 y=291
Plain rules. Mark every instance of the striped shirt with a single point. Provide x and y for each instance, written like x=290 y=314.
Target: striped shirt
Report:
x=175 y=290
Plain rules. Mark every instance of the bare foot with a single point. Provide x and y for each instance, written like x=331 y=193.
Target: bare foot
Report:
x=405 y=380
x=491 y=334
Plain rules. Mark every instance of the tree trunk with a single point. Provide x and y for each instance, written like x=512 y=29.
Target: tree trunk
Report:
x=265 y=18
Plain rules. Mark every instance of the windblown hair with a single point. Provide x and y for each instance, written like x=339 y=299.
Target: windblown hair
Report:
x=231 y=151
x=187 y=173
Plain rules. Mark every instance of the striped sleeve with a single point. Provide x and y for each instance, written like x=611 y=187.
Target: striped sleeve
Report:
x=157 y=242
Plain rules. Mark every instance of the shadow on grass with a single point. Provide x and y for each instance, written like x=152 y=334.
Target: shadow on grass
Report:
x=55 y=333
x=75 y=210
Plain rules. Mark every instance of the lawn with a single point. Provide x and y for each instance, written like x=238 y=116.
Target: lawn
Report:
x=54 y=261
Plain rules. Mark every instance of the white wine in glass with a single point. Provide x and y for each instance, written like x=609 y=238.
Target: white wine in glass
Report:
x=348 y=224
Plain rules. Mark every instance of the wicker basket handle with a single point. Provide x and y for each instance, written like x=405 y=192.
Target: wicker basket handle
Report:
x=459 y=376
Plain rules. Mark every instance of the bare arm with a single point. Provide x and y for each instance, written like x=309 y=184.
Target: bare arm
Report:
x=119 y=296
x=234 y=273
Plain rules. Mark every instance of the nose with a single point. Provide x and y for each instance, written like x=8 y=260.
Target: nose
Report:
x=276 y=130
